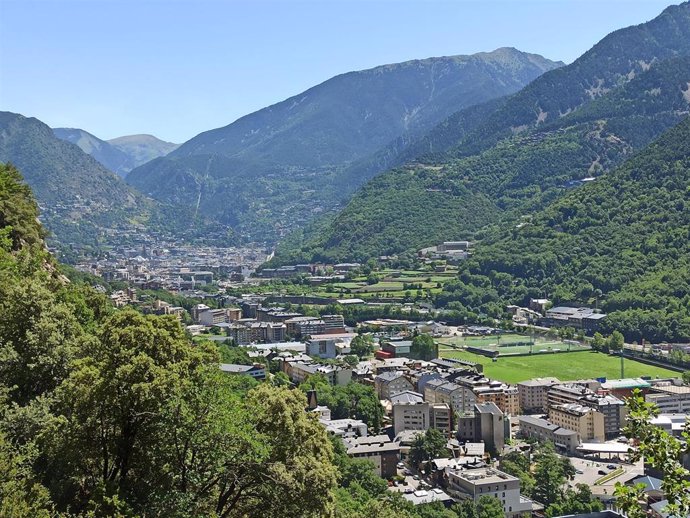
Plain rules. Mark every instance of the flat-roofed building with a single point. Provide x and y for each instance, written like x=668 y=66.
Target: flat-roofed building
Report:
x=441 y=417
x=564 y=439
x=613 y=409
x=479 y=482
x=533 y=394
x=587 y=422
x=623 y=388
x=397 y=348
x=671 y=399
x=485 y=424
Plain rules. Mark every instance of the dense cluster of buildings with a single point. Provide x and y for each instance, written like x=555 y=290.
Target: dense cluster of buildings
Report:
x=160 y=264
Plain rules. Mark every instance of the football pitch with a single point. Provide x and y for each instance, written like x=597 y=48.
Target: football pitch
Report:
x=512 y=343
x=562 y=365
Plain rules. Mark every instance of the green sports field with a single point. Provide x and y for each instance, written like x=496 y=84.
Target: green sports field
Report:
x=564 y=366
x=513 y=343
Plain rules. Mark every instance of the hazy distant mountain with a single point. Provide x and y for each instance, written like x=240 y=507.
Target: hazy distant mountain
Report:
x=142 y=148
x=80 y=199
x=577 y=121
x=121 y=154
x=276 y=168
x=111 y=157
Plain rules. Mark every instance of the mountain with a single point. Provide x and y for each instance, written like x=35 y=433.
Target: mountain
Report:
x=276 y=168
x=577 y=121
x=142 y=148
x=626 y=234
x=120 y=155
x=111 y=157
x=81 y=201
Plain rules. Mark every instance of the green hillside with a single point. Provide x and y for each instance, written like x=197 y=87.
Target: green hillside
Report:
x=529 y=164
x=622 y=242
x=79 y=198
x=274 y=170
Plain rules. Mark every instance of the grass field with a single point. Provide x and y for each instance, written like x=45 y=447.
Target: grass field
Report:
x=564 y=366
x=512 y=343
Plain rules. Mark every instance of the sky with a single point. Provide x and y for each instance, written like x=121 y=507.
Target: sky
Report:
x=175 y=68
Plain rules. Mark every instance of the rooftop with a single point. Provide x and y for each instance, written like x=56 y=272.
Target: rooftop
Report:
x=407 y=397
x=626 y=383
x=539 y=382
x=483 y=475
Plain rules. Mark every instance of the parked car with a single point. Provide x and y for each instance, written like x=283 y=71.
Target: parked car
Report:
x=602 y=472
x=579 y=471
x=611 y=466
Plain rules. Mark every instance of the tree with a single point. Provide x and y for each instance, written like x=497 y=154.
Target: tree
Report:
x=616 y=341
x=489 y=507
x=686 y=377
x=550 y=475
x=281 y=379
x=661 y=451
x=428 y=446
x=20 y=495
x=372 y=279
x=598 y=342
x=111 y=406
x=518 y=465
x=423 y=347
x=362 y=346
x=296 y=476
x=38 y=338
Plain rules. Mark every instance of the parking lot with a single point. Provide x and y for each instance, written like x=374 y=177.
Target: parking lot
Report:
x=411 y=482
x=590 y=470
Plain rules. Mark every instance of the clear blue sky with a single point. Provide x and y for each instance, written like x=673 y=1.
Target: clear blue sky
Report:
x=175 y=68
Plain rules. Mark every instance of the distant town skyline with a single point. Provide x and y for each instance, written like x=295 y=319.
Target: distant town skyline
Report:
x=176 y=68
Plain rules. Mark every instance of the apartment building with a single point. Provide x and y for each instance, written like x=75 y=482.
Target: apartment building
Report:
x=671 y=399
x=533 y=394
x=383 y=453
x=564 y=439
x=587 y=422
x=480 y=482
x=390 y=383
x=410 y=412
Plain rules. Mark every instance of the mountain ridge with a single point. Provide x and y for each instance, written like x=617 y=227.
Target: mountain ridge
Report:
x=120 y=155
x=519 y=171
x=274 y=169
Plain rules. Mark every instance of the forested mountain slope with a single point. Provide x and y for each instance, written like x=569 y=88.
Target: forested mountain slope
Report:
x=79 y=197
x=276 y=168
x=429 y=199
x=622 y=242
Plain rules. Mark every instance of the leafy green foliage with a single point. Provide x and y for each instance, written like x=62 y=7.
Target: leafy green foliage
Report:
x=428 y=446
x=623 y=239
x=574 y=122
x=423 y=348
x=354 y=400
x=661 y=451
x=362 y=345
